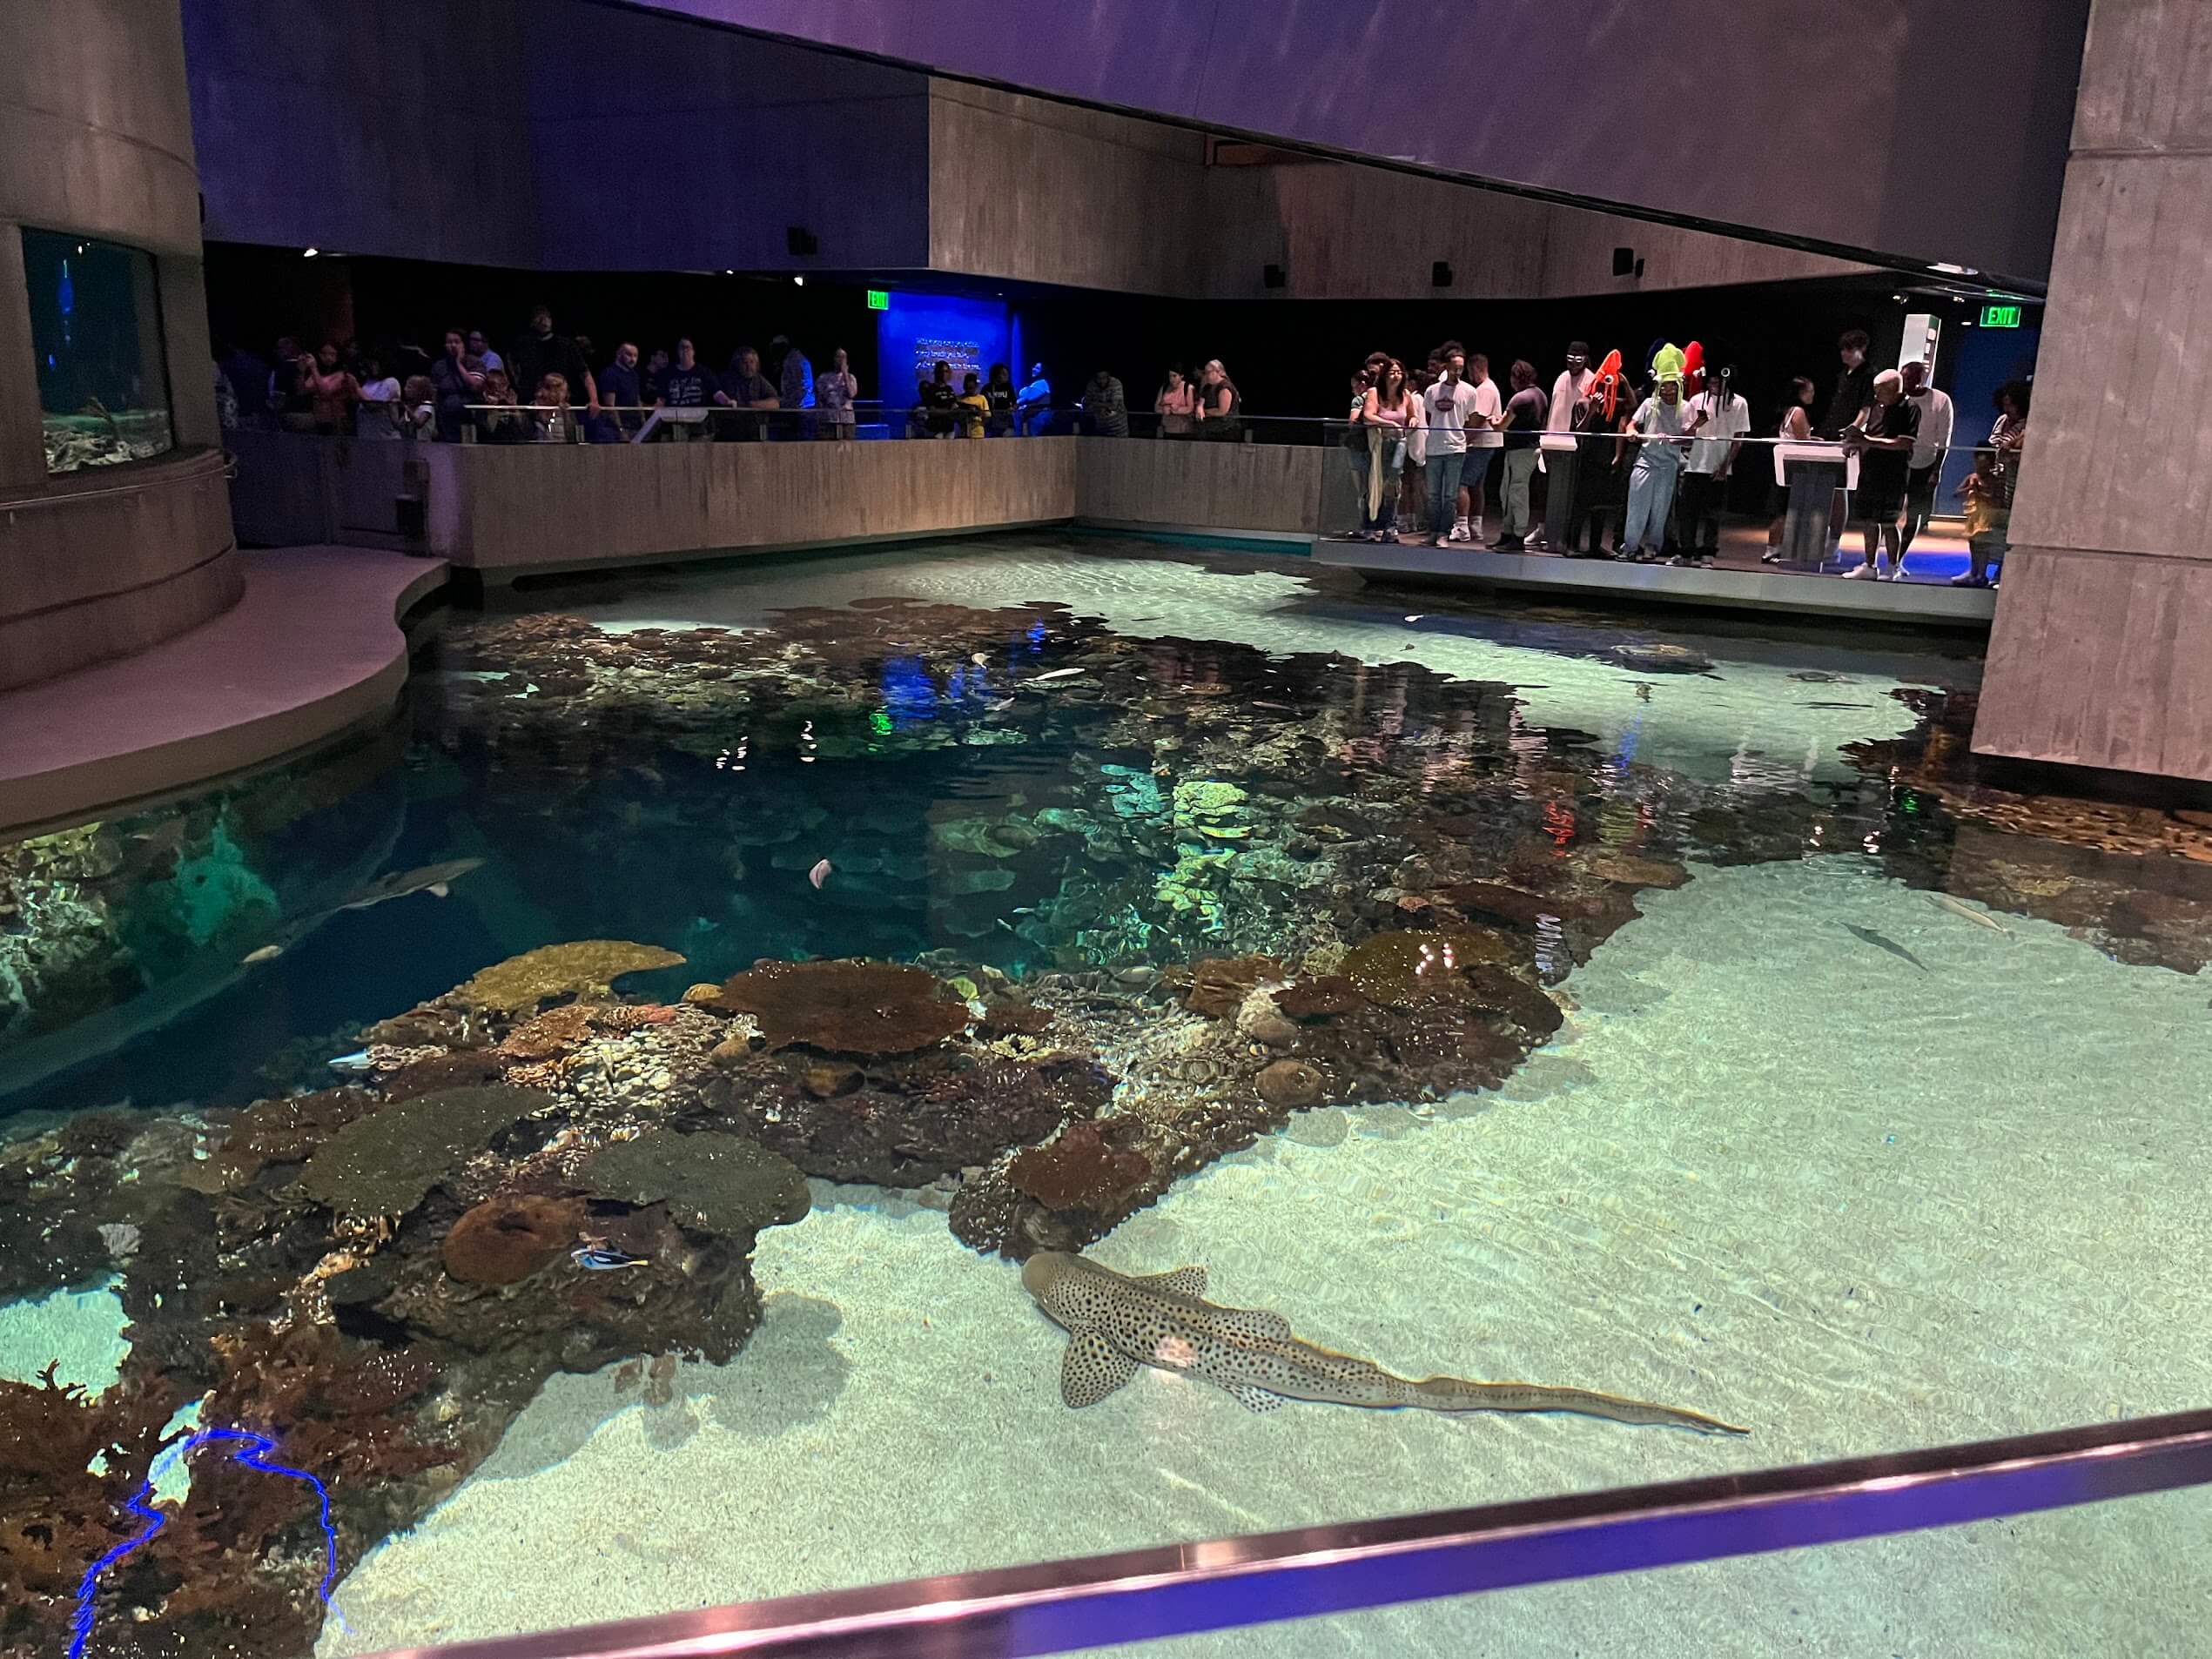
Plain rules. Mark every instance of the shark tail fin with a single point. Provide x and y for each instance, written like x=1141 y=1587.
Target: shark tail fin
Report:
x=1457 y=1394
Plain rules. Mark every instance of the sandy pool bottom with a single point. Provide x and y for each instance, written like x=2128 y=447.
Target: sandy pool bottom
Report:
x=1767 y=1170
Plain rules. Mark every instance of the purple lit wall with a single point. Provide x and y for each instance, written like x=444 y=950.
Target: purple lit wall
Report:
x=1933 y=129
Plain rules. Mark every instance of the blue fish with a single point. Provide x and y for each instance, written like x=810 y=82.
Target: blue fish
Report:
x=353 y=1065
x=598 y=1259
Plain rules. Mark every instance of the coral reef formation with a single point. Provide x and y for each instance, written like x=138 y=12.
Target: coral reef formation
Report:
x=845 y=1007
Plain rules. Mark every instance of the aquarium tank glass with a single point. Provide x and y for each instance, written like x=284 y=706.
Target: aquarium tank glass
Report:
x=95 y=329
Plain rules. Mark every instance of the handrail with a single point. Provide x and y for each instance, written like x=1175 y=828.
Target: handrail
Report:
x=1179 y=1589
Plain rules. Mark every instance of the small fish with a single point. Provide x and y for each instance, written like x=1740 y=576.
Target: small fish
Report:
x=1835 y=705
x=1417 y=616
x=354 y=1064
x=819 y=874
x=1890 y=945
x=600 y=1259
x=436 y=880
x=1944 y=902
x=1000 y=707
x=1116 y=1323
x=979 y=660
x=1056 y=674
x=1280 y=707
x=266 y=953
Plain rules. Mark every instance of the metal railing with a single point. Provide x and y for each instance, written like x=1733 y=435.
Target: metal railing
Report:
x=1180 y=1590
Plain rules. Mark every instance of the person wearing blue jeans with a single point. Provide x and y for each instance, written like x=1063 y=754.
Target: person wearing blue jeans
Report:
x=1445 y=407
x=1657 y=432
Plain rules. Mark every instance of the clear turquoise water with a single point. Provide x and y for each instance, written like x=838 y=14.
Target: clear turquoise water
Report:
x=1765 y=1166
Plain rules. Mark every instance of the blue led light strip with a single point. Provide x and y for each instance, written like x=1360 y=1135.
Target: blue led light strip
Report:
x=253 y=1452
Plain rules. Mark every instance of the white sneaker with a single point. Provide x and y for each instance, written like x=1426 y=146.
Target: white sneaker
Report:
x=1460 y=533
x=1862 y=573
x=1898 y=573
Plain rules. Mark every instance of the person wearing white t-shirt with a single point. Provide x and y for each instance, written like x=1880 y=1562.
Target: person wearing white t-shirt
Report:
x=1937 y=417
x=1722 y=419
x=1485 y=443
x=1448 y=403
x=1569 y=389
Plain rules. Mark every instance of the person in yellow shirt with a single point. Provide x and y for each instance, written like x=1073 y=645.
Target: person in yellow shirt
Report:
x=975 y=408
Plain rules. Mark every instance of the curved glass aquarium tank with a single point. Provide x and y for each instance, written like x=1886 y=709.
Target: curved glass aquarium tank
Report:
x=798 y=1075
x=96 y=327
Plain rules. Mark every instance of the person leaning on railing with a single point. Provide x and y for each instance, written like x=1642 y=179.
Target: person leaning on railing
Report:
x=502 y=422
x=1176 y=405
x=1220 y=405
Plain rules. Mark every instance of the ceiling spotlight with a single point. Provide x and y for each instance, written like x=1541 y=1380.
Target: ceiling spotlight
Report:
x=798 y=282
x=309 y=253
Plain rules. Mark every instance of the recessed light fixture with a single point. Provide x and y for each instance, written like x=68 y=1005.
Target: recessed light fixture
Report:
x=309 y=253
x=798 y=282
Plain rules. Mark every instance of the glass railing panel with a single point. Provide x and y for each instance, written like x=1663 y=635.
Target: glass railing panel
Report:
x=2120 y=1577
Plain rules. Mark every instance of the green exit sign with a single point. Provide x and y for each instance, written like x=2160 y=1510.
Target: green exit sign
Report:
x=1999 y=316
x=879 y=299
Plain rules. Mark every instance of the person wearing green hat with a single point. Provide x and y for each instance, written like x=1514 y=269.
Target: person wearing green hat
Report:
x=1660 y=431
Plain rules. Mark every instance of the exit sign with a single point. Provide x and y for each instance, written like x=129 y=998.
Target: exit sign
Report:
x=879 y=299
x=2001 y=316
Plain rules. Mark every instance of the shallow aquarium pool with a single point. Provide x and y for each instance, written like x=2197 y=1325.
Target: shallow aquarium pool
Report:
x=590 y=1133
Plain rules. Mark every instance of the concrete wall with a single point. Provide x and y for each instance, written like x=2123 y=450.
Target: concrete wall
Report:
x=1345 y=232
x=1200 y=486
x=1845 y=124
x=1039 y=191
x=1036 y=191
x=549 y=134
x=95 y=139
x=2099 y=656
x=505 y=509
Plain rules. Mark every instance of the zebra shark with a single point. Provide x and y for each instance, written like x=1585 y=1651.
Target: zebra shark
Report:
x=1116 y=1323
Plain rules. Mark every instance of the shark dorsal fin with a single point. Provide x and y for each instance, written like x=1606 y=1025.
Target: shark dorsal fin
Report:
x=1093 y=1368
x=1254 y=1325
x=1184 y=1281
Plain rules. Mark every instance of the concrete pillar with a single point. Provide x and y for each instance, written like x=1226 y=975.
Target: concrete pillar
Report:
x=2099 y=657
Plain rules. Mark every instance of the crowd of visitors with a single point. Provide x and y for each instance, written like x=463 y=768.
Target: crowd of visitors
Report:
x=1654 y=443
x=1654 y=451
x=547 y=387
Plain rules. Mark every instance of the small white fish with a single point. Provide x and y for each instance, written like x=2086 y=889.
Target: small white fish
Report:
x=1000 y=707
x=1944 y=902
x=1417 y=616
x=979 y=660
x=1056 y=674
x=266 y=953
x=354 y=1064
x=819 y=874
